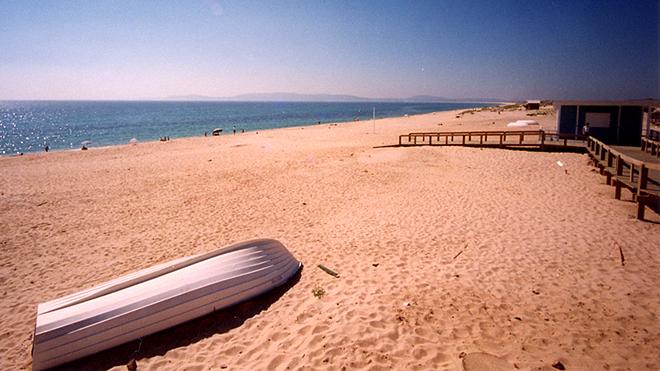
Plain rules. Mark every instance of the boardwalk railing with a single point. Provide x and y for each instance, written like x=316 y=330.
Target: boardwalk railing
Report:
x=651 y=146
x=502 y=139
x=641 y=178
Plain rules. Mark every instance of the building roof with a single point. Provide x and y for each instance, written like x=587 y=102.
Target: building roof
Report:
x=643 y=103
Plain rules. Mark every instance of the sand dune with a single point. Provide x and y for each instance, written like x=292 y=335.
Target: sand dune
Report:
x=440 y=251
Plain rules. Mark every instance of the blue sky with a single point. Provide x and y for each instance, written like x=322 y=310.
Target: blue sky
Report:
x=120 y=49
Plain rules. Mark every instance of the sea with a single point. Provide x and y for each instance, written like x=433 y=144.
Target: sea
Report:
x=31 y=126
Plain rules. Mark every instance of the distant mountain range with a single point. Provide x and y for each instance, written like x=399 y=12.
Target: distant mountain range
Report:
x=293 y=97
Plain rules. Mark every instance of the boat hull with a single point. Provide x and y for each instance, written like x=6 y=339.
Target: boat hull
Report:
x=157 y=298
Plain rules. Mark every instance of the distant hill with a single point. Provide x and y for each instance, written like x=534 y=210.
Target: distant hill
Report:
x=294 y=97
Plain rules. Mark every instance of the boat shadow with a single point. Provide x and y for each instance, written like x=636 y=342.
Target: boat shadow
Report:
x=188 y=333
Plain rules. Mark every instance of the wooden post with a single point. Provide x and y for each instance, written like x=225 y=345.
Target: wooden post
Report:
x=641 y=202
x=641 y=185
x=632 y=172
x=543 y=141
x=617 y=189
x=619 y=165
x=522 y=135
x=643 y=177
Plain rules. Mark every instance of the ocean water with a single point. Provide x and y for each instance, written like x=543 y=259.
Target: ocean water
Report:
x=30 y=126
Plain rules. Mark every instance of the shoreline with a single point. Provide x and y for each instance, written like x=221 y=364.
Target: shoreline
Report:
x=177 y=131
x=451 y=112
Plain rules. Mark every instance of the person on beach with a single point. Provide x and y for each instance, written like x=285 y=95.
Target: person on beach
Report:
x=585 y=130
x=234 y=129
x=47 y=148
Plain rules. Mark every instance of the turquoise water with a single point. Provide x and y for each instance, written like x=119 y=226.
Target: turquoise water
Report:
x=30 y=126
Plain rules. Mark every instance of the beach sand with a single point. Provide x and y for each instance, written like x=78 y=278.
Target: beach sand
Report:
x=441 y=251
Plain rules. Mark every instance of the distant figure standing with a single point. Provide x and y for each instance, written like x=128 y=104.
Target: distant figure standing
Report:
x=234 y=129
x=47 y=148
x=585 y=129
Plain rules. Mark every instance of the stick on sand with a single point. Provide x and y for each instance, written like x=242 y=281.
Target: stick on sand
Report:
x=623 y=260
x=329 y=271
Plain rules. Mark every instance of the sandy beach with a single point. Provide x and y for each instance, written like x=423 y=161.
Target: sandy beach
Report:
x=441 y=251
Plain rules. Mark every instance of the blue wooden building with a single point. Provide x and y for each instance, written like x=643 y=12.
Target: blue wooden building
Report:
x=617 y=123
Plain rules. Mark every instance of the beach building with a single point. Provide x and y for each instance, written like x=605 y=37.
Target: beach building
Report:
x=533 y=104
x=617 y=123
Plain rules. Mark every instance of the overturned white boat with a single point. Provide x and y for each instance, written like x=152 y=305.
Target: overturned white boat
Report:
x=157 y=298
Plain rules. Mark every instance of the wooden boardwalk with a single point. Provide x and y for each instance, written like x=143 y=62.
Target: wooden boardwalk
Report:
x=632 y=168
x=538 y=139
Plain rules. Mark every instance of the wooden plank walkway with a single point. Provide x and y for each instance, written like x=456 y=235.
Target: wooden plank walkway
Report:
x=498 y=139
x=630 y=168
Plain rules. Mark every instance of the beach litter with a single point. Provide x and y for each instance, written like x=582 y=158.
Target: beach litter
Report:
x=623 y=259
x=329 y=271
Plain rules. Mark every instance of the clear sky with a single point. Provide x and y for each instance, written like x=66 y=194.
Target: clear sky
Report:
x=122 y=49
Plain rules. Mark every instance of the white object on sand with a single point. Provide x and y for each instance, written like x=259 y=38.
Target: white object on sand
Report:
x=157 y=298
x=523 y=123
